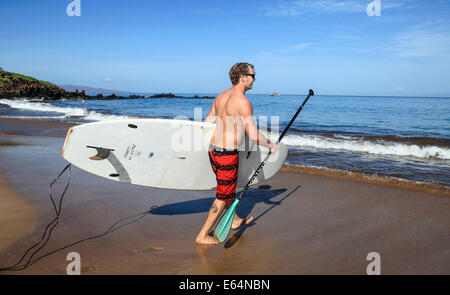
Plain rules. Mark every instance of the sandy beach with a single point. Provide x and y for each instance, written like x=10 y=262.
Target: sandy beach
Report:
x=11 y=207
x=305 y=223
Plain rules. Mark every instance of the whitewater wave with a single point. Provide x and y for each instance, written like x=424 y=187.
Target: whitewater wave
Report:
x=33 y=117
x=362 y=145
x=339 y=142
x=68 y=112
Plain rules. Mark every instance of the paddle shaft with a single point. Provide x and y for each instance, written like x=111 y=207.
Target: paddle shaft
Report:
x=241 y=195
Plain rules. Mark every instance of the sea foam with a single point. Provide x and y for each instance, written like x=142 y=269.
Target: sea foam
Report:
x=361 y=145
x=67 y=112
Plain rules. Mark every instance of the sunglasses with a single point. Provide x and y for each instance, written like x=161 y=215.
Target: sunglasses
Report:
x=252 y=75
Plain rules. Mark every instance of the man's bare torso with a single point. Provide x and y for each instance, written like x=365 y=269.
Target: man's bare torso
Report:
x=229 y=122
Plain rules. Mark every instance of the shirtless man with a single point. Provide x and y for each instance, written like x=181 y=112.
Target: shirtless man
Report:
x=233 y=114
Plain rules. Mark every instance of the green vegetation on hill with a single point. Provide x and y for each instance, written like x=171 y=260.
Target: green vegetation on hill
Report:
x=9 y=78
x=13 y=86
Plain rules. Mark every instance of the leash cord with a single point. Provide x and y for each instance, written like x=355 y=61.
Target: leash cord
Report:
x=51 y=225
x=54 y=223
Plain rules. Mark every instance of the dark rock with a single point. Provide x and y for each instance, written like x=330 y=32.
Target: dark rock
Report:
x=165 y=95
x=196 y=96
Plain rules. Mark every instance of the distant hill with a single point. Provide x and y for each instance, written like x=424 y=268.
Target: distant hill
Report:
x=17 y=86
x=14 y=85
x=90 y=89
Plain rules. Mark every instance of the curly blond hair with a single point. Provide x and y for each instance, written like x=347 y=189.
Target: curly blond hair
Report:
x=239 y=69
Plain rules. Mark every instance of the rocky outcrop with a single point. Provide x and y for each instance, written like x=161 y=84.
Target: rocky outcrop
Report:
x=13 y=85
x=165 y=95
x=196 y=96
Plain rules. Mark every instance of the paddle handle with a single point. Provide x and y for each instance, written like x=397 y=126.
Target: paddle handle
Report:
x=241 y=195
x=311 y=93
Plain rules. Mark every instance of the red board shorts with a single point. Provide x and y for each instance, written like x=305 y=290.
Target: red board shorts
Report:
x=225 y=164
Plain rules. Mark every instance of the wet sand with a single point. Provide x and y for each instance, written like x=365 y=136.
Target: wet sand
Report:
x=17 y=215
x=433 y=188
x=304 y=224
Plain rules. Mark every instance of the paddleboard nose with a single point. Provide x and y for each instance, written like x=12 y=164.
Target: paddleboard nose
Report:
x=66 y=141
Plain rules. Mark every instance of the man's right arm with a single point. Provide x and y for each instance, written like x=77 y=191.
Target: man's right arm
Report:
x=246 y=111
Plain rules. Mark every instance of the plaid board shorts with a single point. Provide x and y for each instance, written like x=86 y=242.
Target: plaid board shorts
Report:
x=225 y=165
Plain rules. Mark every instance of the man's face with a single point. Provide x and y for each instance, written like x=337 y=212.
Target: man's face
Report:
x=249 y=79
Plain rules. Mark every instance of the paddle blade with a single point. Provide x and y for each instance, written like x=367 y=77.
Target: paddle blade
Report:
x=223 y=228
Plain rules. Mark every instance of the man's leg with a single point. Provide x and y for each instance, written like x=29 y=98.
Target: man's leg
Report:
x=214 y=212
x=237 y=221
x=226 y=179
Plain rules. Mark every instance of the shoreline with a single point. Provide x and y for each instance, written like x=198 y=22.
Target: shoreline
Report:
x=427 y=187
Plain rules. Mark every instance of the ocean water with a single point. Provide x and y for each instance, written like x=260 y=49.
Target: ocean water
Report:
x=402 y=137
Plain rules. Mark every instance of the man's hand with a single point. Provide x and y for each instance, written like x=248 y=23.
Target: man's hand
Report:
x=273 y=148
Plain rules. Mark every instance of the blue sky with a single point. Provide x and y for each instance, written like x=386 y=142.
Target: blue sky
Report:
x=333 y=47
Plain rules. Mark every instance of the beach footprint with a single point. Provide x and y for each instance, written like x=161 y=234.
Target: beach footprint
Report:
x=89 y=268
x=83 y=270
x=144 y=250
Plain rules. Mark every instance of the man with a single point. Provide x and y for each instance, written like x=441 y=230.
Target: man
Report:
x=233 y=114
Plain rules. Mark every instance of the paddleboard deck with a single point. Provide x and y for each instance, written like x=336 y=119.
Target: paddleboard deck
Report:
x=159 y=153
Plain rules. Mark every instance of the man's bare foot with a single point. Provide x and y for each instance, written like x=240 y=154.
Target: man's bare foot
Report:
x=208 y=240
x=237 y=222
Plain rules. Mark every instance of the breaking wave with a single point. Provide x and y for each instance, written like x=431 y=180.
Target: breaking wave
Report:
x=361 y=144
x=67 y=112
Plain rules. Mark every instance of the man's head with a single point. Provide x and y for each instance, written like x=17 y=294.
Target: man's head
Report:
x=244 y=73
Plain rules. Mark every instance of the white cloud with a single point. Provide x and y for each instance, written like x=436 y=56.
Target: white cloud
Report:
x=108 y=79
x=290 y=49
x=422 y=42
x=299 y=7
x=295 y=48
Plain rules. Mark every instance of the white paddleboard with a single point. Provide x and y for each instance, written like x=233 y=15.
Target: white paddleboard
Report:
x=162 y=153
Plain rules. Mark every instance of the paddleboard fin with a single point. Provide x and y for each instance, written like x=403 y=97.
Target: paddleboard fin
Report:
x=102 y=153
